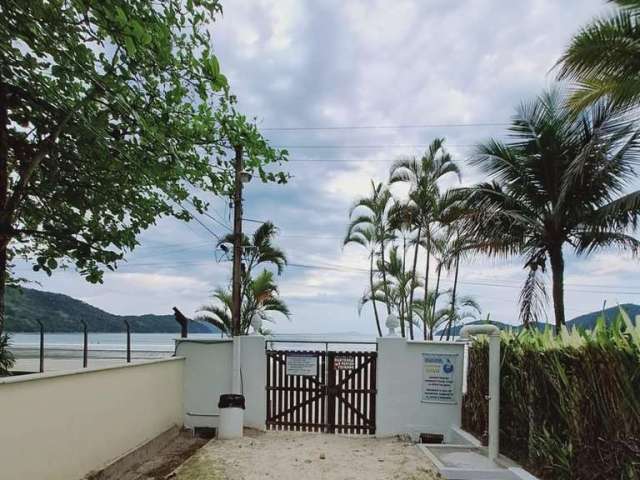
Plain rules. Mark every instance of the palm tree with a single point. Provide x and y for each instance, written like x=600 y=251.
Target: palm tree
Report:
x=397 y=290
x=424 y=195
x=372 y=212
x=557 y=183
x=365 y=235
x=430 y=320
x=258 y=248
x=604 y=58
x=261 y=298
x=402 y=219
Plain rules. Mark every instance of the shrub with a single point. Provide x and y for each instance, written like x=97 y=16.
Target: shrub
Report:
x=569 y=404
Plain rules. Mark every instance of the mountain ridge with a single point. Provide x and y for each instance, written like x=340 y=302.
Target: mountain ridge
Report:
x=61 y=313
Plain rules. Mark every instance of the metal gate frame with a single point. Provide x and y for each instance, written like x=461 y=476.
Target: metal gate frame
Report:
x=335 y=400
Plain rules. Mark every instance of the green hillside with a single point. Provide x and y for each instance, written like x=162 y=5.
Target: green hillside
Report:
x=61 y=313
x=586 y=321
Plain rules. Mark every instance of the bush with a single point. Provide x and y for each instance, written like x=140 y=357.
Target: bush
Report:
x=6 y=357
x=569 y=404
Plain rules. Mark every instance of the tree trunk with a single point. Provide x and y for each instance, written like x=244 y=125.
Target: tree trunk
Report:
x=384 y=278
x=435 y=298
x=557 y=272
x=413 y=278
x=453 y=298
x=4 y=189
x=426 y=287
x=404 y=297
x=373 y=299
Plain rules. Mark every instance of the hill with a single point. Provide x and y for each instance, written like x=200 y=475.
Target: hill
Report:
x=60 y=313
x=586 y=321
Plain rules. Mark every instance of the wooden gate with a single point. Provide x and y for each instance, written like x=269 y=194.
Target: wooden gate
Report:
x=315 y=391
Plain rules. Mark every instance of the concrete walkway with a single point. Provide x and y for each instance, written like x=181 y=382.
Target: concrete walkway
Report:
x=307 y=456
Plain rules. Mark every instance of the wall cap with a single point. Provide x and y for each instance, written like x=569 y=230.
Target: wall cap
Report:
x=80 y=371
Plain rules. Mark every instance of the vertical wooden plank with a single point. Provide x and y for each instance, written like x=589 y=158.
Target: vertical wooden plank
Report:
x=323 y=396
x=331 y=400
x=303 y=410
x=372 y=394
x=352 y=395
x=365 y=396
x=281 y=380
x=268 y=382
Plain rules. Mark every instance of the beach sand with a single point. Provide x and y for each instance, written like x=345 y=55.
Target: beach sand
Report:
x=308 y=456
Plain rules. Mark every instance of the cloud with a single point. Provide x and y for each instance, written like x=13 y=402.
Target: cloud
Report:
x=333 y=63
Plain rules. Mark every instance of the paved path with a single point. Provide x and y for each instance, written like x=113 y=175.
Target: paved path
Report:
x=307 y=456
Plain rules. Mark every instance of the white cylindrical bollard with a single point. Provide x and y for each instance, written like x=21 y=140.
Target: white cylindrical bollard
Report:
x=231 y=416
x=494 y=396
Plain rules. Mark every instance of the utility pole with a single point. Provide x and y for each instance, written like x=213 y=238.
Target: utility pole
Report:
x=237 y=243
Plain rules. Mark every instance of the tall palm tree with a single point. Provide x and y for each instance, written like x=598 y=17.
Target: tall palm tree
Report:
x=604 y=58
x=261 y=298
x=424 y=195
x=557 y=183
x=397 y=290
x=365 y=235
x=372 y=211
x=403 y=217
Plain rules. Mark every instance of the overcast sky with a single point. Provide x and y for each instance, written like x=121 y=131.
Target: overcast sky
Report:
x=361 y=63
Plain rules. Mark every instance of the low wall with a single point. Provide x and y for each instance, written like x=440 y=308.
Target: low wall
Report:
x=401 y=407
x=208 y=375
x=64 y=425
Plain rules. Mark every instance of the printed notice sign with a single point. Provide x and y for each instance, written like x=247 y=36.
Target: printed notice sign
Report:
x=438 y=378
x=344 y=362
x=302 y=364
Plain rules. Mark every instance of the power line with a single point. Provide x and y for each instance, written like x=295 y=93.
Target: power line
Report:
x=390 y=145
x=388 y=127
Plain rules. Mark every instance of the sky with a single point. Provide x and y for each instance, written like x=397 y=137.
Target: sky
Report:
x=399 y=65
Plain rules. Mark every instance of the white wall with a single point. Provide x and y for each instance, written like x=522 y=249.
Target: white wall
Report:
x=399 y=407
x=63 y=425
x=208 y=372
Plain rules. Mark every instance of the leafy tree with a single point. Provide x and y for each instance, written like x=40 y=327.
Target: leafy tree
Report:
x=260 y=298
x=110 y=115
x=558 y=183
x=604 y=58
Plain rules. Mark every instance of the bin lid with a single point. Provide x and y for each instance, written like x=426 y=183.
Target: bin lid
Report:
x=231 y=400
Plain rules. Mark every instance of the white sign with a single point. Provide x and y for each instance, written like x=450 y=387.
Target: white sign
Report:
x=302 y=364
x=438 y=378
x=344 y=362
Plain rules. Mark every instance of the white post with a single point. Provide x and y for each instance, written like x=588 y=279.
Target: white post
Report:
x=494 y=381
x=236 y=383
x=494 y=395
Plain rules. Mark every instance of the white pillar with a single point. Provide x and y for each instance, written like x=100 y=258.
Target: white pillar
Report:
x=494 y=395
x=236 y=382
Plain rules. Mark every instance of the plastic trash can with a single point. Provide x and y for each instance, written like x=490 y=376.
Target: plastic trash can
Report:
x=231 y=415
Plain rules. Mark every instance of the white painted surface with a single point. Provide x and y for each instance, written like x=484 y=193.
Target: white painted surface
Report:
x=231 y=420
x=208 y=365
x=60 y=426
x=208 y=374
x=253 y=366
x=399 y=406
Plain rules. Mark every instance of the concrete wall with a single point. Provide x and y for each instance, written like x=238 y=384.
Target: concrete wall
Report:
x=63 y=425
x=400 y=408
x=208 y=371
x=207 y=376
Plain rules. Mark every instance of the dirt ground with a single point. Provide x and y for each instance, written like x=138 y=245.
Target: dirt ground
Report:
x=306 y=456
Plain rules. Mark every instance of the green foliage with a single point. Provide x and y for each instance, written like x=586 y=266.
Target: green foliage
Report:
x=602 y=59
x=570 y=403
x=112 y=114
x=259 y=297
x=556 y=184
x=60 y=313
x=7 y=359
